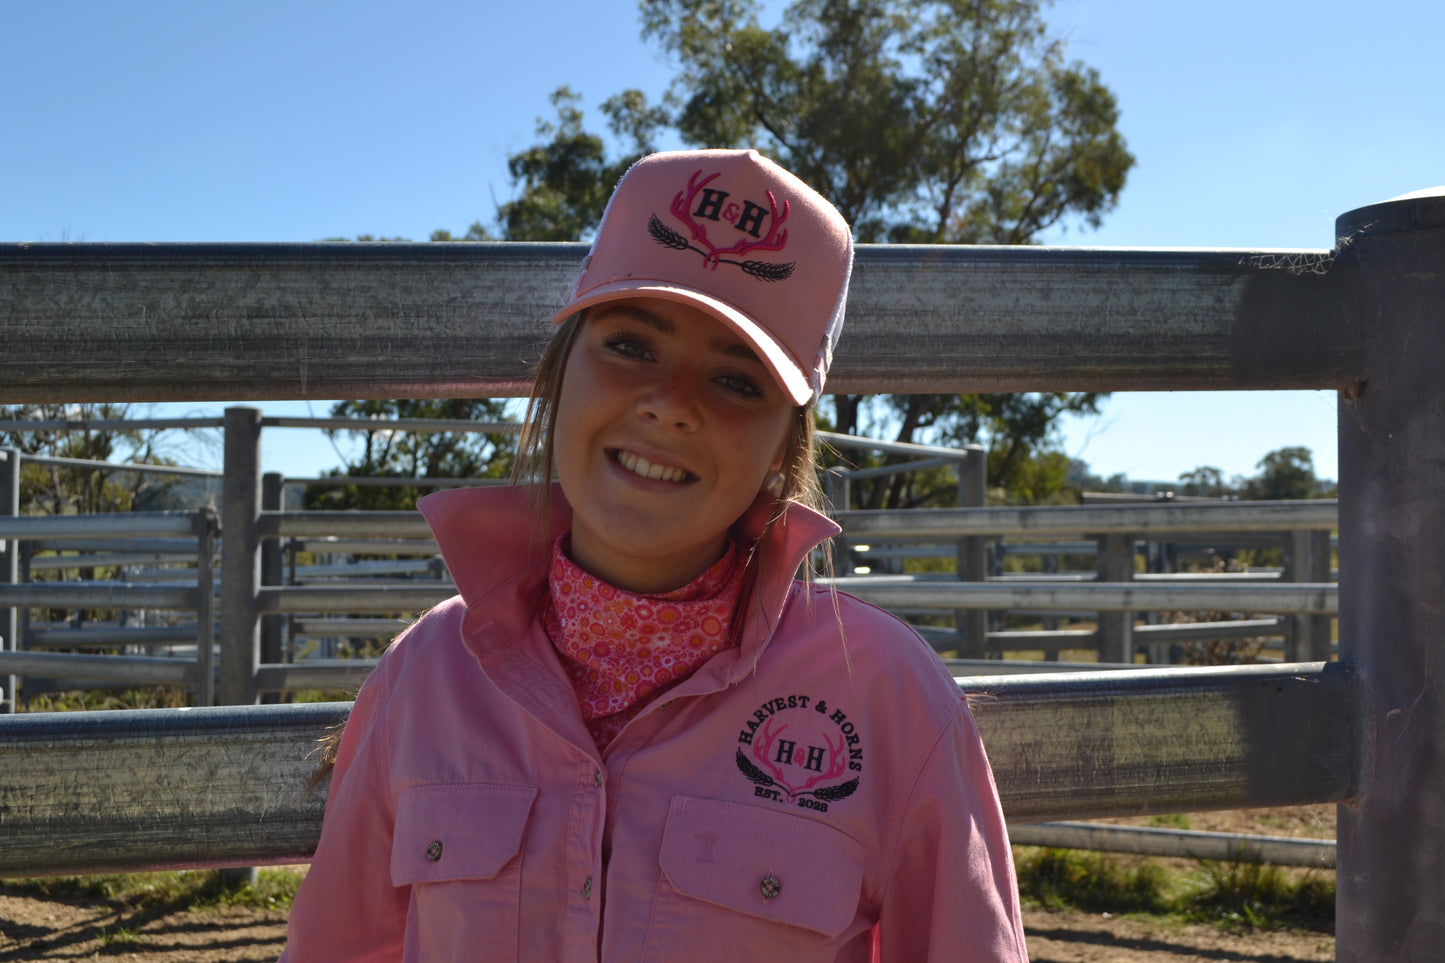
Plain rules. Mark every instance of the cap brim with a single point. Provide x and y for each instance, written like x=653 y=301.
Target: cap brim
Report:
x=784 y=368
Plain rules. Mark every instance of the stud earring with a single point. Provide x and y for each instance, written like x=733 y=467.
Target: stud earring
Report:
x=773 y=484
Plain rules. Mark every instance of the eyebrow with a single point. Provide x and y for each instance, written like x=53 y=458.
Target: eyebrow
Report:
x=734 y=349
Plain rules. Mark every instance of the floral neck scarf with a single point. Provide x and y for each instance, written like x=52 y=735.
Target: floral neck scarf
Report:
x=619 y=647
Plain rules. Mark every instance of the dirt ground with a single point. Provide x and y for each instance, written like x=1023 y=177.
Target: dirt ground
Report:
x=38 y=929
x=32 y=929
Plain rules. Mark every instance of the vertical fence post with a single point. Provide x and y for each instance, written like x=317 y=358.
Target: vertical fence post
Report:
x=1116 y=629
x=205 y=527
x=1390 y=903
x=836 y=490
x=973 y=551
x=240 y=557
x=10 y=563
x=1322 y=646
x=272 y=574
x=1298 y=642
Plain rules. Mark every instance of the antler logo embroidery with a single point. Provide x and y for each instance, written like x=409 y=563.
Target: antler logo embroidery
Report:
x=784 y=761
x=747 y=218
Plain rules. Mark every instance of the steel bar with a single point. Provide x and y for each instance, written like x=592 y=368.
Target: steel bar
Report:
x=336 y=481
x=110 y=635
x=147 y=546
x=1194 y=631
x=107 y=424
x=168 y=322
x=9 y=569
x=1177 y=843
x=906 y=448
x=1076 y=745
x=101 y=791
x=397 y=424
x=207 y=527
x=364 y=546
x=318 y=599
x=906 y=592
x=343 y=524
x=130 y=524
x=122 y=466
x=1390 y=904
x=50 y=563
x=314 y=674
x=240 y=636
x=885 y=471
x=969 y=668
x=356 y=628
x=140 y=670
x=1166 y=633
x=942 y=523
x=97 y=595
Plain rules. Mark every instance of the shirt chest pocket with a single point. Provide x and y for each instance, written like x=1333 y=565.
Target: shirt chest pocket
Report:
x=755 y=881
x=459 y=848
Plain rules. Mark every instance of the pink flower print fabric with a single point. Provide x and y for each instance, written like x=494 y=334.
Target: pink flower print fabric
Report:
x=619 y=647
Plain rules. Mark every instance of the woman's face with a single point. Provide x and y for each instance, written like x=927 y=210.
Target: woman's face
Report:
x=665 y=431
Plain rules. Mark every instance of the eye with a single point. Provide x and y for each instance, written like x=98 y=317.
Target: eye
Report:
x=627 y=345
x=741 y=385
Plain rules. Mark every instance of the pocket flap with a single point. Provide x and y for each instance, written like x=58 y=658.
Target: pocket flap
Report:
x=763 y=862
x=458 y=831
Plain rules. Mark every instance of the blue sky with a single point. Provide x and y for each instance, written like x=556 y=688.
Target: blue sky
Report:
x=1254 y=125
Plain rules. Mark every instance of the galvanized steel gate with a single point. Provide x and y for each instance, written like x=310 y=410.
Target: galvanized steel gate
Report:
x=236 y=322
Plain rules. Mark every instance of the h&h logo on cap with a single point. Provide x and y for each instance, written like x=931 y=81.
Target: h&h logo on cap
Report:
x=737 y=236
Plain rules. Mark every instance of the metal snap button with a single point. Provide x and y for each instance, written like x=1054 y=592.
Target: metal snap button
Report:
x=587 y=888
x=434 y=851
x=597 y=778
x=770 y=887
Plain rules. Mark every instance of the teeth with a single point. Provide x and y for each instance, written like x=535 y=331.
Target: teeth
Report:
x=641 y=466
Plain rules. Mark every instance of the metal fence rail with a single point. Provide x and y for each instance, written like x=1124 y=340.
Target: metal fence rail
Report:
x=1367 y=319
x=160 y=788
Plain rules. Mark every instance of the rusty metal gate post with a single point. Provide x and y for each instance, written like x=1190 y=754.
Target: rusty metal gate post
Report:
x=1390 y=902
x=240 y=558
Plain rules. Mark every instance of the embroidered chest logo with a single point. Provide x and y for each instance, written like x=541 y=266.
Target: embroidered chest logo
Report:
x=801 y=751
x=747 y=224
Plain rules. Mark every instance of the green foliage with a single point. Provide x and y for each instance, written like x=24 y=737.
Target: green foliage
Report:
x=193 y=889
x=1285 y=473
x=565 y=180
x=66 y=490
x=1065 y=878
x=1234 y=894
x=477 y=232
x=923 y=121
x=389 y=453
x=1256 y=894
x=119 y=936
x=95 y=700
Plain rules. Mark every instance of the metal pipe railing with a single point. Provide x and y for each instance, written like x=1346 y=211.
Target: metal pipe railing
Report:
x=79 y=790
x=908 y=592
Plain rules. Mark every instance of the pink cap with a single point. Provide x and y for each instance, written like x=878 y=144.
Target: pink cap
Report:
x=732 y=233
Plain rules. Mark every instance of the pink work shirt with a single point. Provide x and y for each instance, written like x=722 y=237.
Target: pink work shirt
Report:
x=818 y=793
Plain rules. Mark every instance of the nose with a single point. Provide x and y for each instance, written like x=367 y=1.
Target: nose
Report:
x=672 y=400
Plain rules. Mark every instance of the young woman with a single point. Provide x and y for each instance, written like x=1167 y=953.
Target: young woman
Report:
x=634 y=735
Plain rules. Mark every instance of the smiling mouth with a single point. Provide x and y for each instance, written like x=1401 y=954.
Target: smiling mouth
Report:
x=641 y=466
